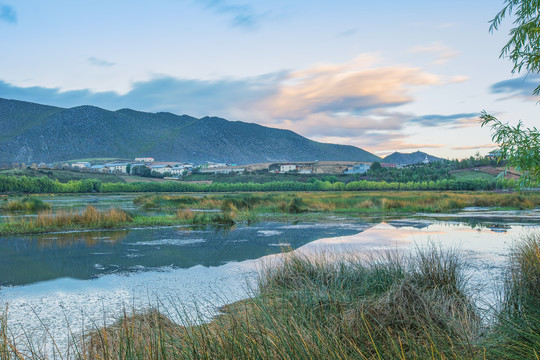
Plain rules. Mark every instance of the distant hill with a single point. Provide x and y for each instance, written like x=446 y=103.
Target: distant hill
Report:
x=33 y=133
x=409 y=159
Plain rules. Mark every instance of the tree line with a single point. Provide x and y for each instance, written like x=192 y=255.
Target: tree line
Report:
x=11 y=184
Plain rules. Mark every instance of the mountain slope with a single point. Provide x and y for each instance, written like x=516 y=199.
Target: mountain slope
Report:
x=409 y=158
x=44 y=133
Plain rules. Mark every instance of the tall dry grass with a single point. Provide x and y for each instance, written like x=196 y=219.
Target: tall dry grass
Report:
x=389 y=307
x=390 y=201
x=26 y=203
x=516 y=332
x=89 y=217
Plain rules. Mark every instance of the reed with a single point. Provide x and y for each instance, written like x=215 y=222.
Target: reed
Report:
x=516 y=334
x=317 y=308
x=26 y=203
x=89 y=218
x=358 y=202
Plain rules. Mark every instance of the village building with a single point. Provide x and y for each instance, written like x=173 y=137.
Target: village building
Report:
x=99 y=168
x=361 y=168
x=226 y=170
x=161 y=169
x=80 y=165
x=212 y=165
x=144 y=160
x=287 y=168
x=119 y=168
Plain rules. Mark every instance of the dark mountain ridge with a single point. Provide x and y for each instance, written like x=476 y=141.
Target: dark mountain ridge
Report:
x=34 y=133
x=409 y=158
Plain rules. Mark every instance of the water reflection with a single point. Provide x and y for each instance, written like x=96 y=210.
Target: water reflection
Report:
x=89 y=238
x=90 y=254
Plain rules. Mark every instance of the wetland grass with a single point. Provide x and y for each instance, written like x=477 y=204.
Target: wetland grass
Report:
x=389 y=307
x=48 y=221
x=25 y=204
x=516 y=333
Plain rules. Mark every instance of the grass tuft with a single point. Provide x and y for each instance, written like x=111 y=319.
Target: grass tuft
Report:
x=26 y=203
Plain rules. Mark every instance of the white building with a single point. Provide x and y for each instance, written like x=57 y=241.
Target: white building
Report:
x=99 y=168
x=361 y=168
x=144 y=159
x=216 y=165
x=287 y=167
x=161 y=169
x=118 y=167
x=177 y=170
x=80 y=165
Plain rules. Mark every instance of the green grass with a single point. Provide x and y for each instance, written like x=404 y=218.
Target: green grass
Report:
x=471 y=175
x=63 y=176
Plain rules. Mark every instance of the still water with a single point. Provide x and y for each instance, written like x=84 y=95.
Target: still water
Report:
x=89 y=278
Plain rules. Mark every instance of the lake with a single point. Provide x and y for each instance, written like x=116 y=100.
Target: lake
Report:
x=89 y=278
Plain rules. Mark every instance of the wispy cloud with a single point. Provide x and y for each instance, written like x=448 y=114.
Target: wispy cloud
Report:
x=241 y=15
x=8 y=14
x=521 y=87
x=441 y=52
x=351 y=88
x=438 y=120
x=99 y=62
x=474 y=147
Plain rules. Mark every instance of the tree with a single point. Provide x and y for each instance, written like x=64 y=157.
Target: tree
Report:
x=523 y=48
x=519 y=145
x=376 y=166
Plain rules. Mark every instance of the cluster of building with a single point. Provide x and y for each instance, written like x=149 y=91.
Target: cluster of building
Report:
x=173 y=169
x=336 y=167
x=147 y=166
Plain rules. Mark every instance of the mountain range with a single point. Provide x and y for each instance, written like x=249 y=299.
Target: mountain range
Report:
x=409 y=159
x=33 y=132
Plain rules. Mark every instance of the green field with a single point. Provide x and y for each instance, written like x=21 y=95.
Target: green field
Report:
x=471 y=175
x=63 y=175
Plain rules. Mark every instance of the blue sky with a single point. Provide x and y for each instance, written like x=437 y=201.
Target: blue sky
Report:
x=385 y=76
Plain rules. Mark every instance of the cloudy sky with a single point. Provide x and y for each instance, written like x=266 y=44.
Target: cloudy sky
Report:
x=386 y=75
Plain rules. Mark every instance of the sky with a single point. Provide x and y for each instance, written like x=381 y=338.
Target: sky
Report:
x=385 y=76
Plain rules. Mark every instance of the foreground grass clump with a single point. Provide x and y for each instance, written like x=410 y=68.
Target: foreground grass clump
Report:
x=516 y=334
x=26 y=203
x=387 y=307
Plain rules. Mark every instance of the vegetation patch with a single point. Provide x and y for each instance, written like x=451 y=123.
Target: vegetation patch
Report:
x=386 y=307
x=365 y=202
x=26 y=203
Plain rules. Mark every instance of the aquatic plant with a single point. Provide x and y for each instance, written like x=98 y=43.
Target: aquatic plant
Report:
x=360 y=202
x=26 y=203
x=516 y=333
x=385 y=307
